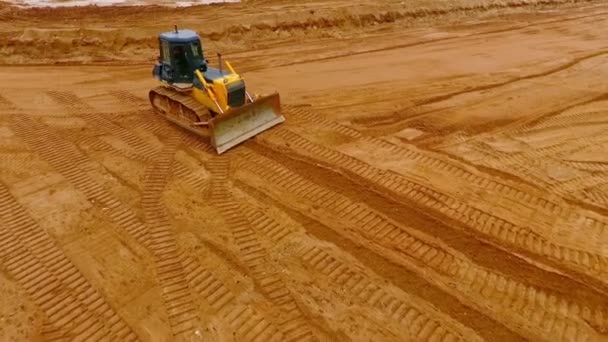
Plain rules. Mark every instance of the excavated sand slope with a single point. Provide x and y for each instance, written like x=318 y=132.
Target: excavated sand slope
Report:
x=441 y=175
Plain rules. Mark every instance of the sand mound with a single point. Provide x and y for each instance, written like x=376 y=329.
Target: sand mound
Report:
x=228 y=27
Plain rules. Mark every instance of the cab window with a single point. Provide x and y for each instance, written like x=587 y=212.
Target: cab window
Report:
x=196 y=49
x=165 y=51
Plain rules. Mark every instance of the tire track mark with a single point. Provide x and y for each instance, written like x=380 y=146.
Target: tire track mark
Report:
x=127 y=98
x=563 y=121
x=364 y=289
x=516 y=126
x=569 y=190
x=149 y=121
x=519 y=173
x=73 y=307
x=185 y=175
x=487 y=130
x=248 y=324
x=594 y=166
x=443 y=265
x=596 y=196
x=420 y=107
x=420 y=325
x=404 y=279
x=62 y=157
x=486 y=223
x=99 y=145
x=98 y=121
x=265 y=224
x=73 y=165
x=158 y=125
x=485 y=87
x=395 y=208
x=170 y=272
x=294 y=324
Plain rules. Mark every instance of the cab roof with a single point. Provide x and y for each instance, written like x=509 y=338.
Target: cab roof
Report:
x=181 y=36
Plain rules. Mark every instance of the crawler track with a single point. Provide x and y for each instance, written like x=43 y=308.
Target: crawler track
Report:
x=180 y=109
x=174 y=288
x=246 y=323
x=363 y=223
x=484 y=222
x=32 y=258
x=293 y=323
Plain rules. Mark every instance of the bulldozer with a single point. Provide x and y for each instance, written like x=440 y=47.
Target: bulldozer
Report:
x=213 y=103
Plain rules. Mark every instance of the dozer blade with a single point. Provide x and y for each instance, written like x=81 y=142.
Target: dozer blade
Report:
x=239 y=124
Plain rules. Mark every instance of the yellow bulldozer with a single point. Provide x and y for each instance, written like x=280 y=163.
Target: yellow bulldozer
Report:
x=211 y=102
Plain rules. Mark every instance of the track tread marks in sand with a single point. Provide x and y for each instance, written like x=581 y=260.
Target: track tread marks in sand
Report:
x=371 y=294
x=449 y=168
x=275 y=231
x=293 y=324
x=182 y=173
x=218 y=296
x=31 y=256
x=71 y=163
x=99 y=145
x=491 y=225
x=470 y=277
x=174 y=288
x=127 y=98
x=75 y=105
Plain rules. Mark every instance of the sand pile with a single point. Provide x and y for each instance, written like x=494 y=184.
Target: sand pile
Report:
x=83 y=36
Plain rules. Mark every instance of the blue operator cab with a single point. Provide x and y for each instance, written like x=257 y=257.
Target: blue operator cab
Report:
x=181 y=54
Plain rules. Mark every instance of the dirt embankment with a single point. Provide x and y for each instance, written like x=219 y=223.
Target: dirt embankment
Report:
x=83 y=36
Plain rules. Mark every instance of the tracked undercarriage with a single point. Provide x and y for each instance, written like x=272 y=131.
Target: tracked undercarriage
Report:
x=181 y=109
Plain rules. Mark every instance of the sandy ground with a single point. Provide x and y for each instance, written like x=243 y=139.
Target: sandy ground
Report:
x=441 y=175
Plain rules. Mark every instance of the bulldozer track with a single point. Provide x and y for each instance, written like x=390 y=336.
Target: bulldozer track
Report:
x=248 y=324
x=443 y=265
x=595 y=196
x=364 y=289
x=151 y=123
x=64 y=158
x=171 y=275
x=194 y=110
x=437 y=164
x=70 y=163
x=434 y=163
x=100 y=145
x=293 y=324
x=266 y=225
x=185 y=175
x=128 y=99
x=517 y=167
x=560 y=120
x=421 y=326
x=573 y=187
x=558 y=152
x=180 y=170
x=77 y=106
x=485 y=223
x=32 y=257
x=588 y=165
x=159 y=125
